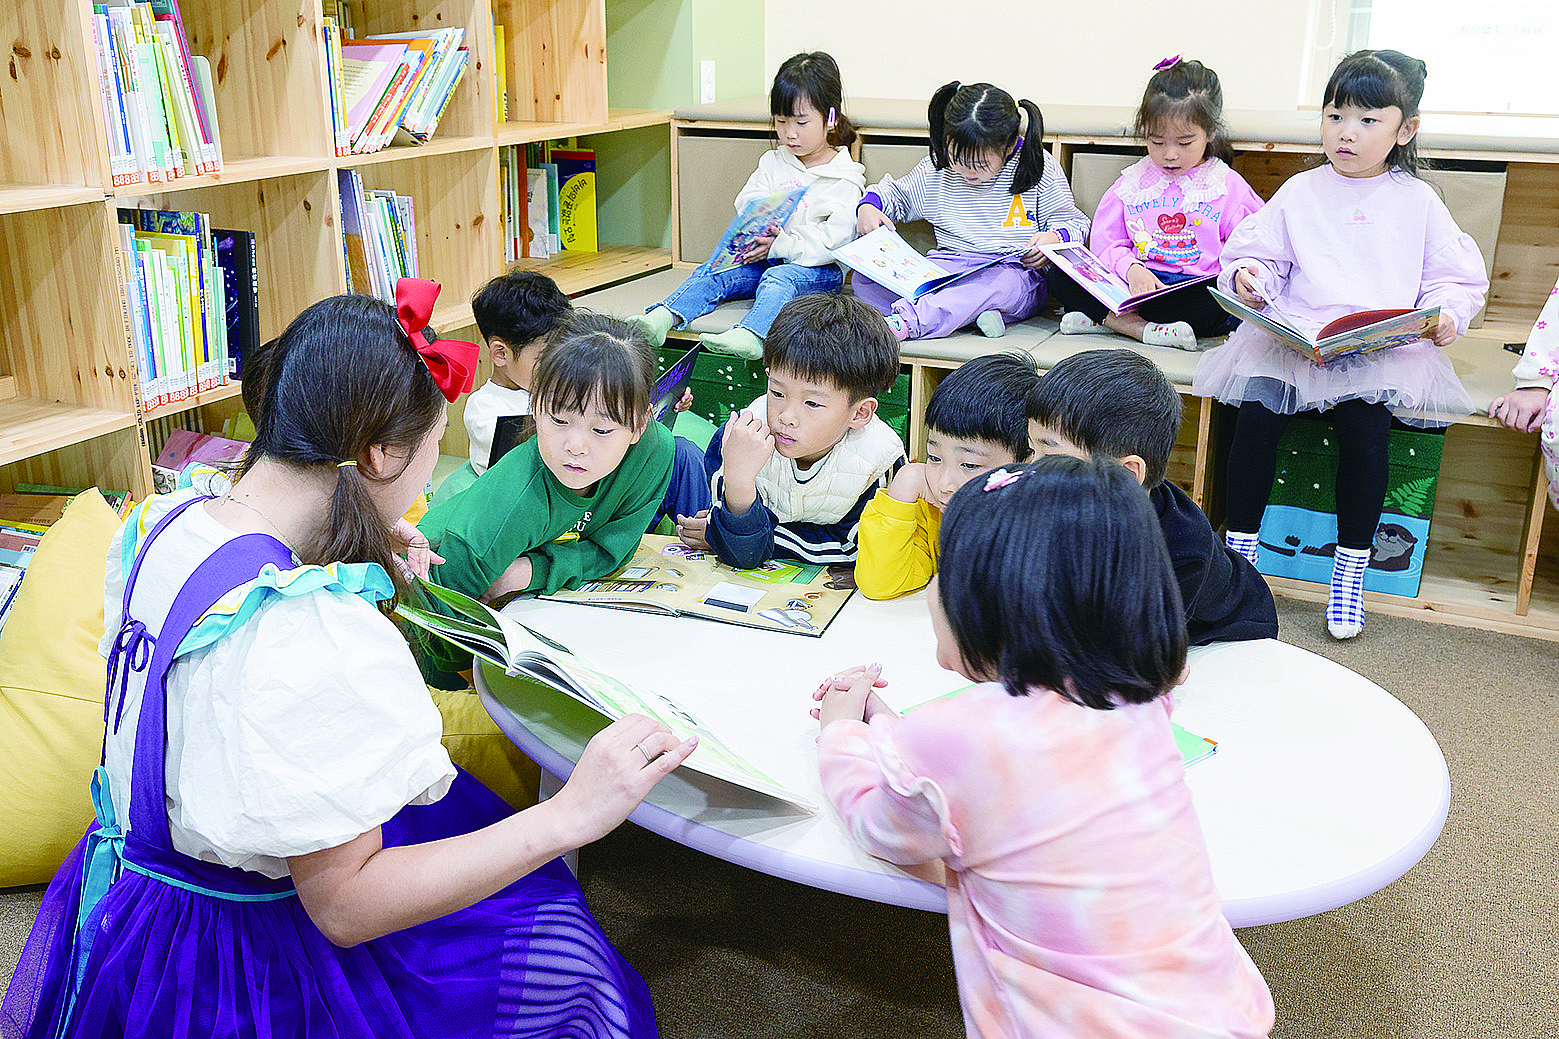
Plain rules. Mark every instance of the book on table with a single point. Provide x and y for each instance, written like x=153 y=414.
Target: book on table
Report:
x=665 y=576
x=522 y=651
x=1348 y=336
x=760 y=217
x=1079 y=263
x=893 y=263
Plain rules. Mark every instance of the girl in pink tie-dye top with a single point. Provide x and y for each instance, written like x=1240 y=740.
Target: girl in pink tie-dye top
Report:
x=1080 y=900
x=1532 y=406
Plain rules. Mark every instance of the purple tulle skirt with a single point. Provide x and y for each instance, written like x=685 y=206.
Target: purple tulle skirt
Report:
x=1416 y=381
x=529 y=961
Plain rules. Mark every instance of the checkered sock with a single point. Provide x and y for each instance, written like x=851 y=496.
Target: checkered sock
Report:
x=1244 y=544
x=1345 y=603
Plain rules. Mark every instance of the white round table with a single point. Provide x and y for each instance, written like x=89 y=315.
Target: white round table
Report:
x=1324 y=789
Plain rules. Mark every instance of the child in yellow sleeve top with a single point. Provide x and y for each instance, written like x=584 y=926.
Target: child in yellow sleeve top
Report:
x=976 y=422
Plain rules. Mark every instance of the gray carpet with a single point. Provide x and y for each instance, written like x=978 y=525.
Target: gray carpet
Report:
x=1462 y=947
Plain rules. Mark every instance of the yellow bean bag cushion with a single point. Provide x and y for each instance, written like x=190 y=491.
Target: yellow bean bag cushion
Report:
x=51 y=694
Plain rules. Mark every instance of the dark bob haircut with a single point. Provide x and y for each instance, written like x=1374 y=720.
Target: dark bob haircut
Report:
x=983 y=400
x=595 y=357
x=835 y=339
x=1060 y=580
x=1113 y=403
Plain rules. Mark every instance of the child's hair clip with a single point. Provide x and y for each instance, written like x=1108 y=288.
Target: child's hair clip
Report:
x=1166 y=63
x=830 y=117
x=1001 y=478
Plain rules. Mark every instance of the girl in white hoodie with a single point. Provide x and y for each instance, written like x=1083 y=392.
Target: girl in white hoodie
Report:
x=811 y=152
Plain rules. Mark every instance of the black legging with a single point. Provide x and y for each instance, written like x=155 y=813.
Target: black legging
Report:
x=1362 y=433
x=1195 y=305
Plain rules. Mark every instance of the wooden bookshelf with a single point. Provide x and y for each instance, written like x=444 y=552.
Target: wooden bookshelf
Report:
x=68 y=403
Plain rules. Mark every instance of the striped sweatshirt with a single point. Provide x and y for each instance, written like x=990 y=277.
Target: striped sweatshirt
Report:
x=982 y=218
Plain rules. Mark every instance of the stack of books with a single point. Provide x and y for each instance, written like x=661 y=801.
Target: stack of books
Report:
x=157 y=98
x=379 y=233
x=191 y=304
x=390 y=88
x=547 y=197
x=25 y=515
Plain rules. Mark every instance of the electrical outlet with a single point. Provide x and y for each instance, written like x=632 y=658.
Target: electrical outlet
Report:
x=706 y=82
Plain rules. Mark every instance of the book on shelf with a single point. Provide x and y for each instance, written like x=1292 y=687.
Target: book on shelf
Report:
x=379 y=236
x=893 y=263
x=1360 y=333
x=158 y=99
x=240 y=274
x=10 y=580
x=500 y=71
x=761 y=216
x=394 y=87
x=576 y=199
x=1079 y=263
x=330 y=34
x=184 y=448
x=523 y=651
x=665 y=576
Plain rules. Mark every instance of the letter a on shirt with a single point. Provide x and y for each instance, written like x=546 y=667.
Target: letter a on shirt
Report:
x=1016 y=217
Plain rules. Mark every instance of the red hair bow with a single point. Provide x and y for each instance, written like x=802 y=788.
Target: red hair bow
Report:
x=451 y=361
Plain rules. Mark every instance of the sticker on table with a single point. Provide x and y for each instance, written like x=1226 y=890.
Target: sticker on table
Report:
x=798 y=619
x=733 y=597
x=682 y=552
x=636 y=573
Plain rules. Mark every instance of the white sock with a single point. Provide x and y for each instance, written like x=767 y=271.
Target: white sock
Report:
x=1177 y=334
x=1075 y=322
x=990 y=324
x=1345 y=600
x=1244 y=544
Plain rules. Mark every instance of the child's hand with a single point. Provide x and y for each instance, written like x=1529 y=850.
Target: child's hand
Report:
x=420 y=557
x=909 y=484
x=745 y=446
x=1141 y=281
x=620 y=765
x=868 y=218
x=1445 y=332
x=684 y=402
x=847 y=694
x=516 y=578
x=693 y=531
x=1521 y=410
x=757 y=248
x=1032 y=257
x=1248 y=290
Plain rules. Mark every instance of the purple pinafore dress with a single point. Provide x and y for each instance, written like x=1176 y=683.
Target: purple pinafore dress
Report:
x=134 y=938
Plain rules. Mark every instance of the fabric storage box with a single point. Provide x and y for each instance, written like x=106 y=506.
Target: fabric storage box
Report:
x=1299 y=528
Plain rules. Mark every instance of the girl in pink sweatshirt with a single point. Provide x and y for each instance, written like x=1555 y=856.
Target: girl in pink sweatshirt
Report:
x=1362 y=232
x=1166 y=218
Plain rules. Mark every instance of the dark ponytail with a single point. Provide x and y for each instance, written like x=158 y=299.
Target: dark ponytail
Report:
x=341 y=379
x=1382 y=79
x=969 y=120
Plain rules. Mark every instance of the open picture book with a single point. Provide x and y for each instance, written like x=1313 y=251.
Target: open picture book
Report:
x=665 y=576
x=893 y=263
x=761 y=216
x=527 y=653
x=1351 y=334
x=1103 y=284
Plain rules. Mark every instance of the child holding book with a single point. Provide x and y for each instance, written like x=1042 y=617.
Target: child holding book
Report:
x=1166 y=218
x=1530 y=407
x=1362 y=232
x=1117 y=404
x=571 y=503
x=989 y=189
x=1080 y=898
x=975 y=422
x=791 y=474
x=812 y=152
x=282 y=844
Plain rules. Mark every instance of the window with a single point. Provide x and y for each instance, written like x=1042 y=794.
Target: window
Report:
x=1494 y=56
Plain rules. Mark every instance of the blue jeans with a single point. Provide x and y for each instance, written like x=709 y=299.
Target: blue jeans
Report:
x=770 y=285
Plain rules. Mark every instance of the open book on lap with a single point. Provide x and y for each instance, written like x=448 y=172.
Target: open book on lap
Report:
x=761 y=216
x=525 y=652
x=665 y=576
x=1359 y=333
x=893 y=263
x=1083 y=267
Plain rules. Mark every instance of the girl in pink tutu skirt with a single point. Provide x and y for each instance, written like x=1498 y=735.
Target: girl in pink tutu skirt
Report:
x=1362 y=232
x=282 y=846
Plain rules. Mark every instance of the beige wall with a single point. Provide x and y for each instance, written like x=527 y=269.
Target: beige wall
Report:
x=1074 y=52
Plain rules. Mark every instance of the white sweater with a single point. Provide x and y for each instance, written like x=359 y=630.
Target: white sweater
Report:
x=825 y=219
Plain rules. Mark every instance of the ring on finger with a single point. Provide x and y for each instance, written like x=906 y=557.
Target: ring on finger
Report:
x=640 y=748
